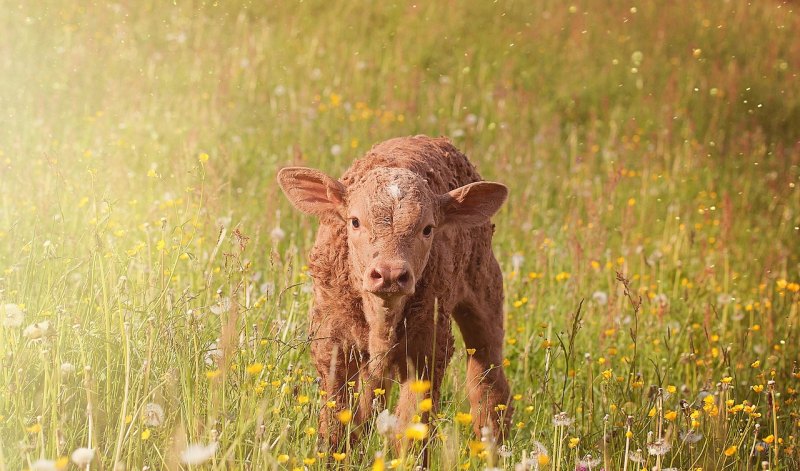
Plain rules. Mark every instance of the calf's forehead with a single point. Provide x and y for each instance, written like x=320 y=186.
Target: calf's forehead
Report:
x=392 y=196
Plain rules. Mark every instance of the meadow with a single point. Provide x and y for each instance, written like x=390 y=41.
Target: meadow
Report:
x=153 y=289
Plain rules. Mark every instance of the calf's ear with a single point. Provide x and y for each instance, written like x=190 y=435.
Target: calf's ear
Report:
x=473 y=204
x=311 y=191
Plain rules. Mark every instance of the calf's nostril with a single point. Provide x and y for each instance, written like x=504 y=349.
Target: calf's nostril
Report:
x=375 y=275
x=403 y=278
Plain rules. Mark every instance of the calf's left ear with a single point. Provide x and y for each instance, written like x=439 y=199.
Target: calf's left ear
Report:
x=473 y=204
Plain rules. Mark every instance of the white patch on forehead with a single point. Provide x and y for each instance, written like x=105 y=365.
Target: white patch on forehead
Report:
x=394 y=191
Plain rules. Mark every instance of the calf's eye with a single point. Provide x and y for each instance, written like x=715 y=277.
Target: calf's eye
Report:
x=356 y=224
x=427 y=231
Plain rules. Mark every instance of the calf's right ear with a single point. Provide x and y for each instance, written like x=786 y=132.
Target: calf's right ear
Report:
x=311 y=191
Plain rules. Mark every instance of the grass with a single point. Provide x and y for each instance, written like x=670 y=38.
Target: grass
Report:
x=649 y=243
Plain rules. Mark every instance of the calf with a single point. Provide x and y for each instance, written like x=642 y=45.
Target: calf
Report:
x=403 y=247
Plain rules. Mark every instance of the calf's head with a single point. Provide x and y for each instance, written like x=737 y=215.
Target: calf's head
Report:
x=392 y=219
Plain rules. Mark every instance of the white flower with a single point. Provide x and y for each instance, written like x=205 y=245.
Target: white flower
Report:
x=562 y=420
x=82 y=456
x=516 y=261
x=636 y=457
x=386 y=422
x=224 y=305
x=504 y=451
x=37 y=330
x=67 y=368
x=277 y=234
x=153 y=415
x=600 y=297
x=198 y=454
x=661 y=299
x=11 y=315
x=43 y=465
x=659 y=447
x=336 y=149
x=589 y=461
x=213 y=355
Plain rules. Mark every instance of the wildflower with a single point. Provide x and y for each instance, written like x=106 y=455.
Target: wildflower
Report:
x=671 y=415
x=37 y=330
x=254 y=369
x=607 y=374
x=35 y=428
x=417 y=431
x=339 y=456
x=386 y=422
x=283 y=458
x=378 y=464
x=198 y=454
x=336 y=150
x=43 y=465
x=464 y=418
x=82 y=456
x=303 y=399
x=146 y=434
x=562 y=276
x=504 y=452
x=661 y=299
x=213 y=374
x=659 y=447
x=203 y=157
x=277 y=234
x=67 y=369
x=588 y=462
x=309 y=461
x=600 y=297
x=730 y=451
x=516 y=261
x=757 y=388
x=562 y=420
x=153 y=415
x=224 y=305
x=11 y=315
x=573 y=442
x=420 y=386
x=426 y=404
x=636 y=457
x=345 y=416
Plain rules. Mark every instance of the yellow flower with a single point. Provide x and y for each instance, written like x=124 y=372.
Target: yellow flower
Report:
x=309 y=461
x=62 y=463
x=475 y=447
x=146 y=434
x=255 y=368
x=417 y=431
x=339 y=456
x=379 y=391
x=203 y=157
x=730 y=451
x=330 y=404
x=302 y=399
x=562 y=276
x=756 y=364
x=573 y=442
x=671 y=415
x=378 y=464
x=607 y=374
x=543 y=459
x=426 y=404
x=311 y=431
x=769 y=439
x=727 y=380
x=35 y=428
x=420 y=386
x=757 y=388
x=470 y=351
x=283 y=458
x=464 y=418
x=345 y=416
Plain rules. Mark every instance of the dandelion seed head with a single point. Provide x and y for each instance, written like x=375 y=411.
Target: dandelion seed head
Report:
x=153 y=415
x=82 y=456
x=196 y=454
x=11 y=315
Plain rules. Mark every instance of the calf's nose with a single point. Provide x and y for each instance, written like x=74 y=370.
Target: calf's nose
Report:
x=389 y=278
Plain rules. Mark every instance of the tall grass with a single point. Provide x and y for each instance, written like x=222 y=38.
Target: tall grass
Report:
x=649 y=243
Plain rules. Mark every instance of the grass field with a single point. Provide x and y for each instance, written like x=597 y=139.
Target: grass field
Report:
x=153 y=293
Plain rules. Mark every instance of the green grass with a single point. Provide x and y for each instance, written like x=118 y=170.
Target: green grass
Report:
x=659 y=140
